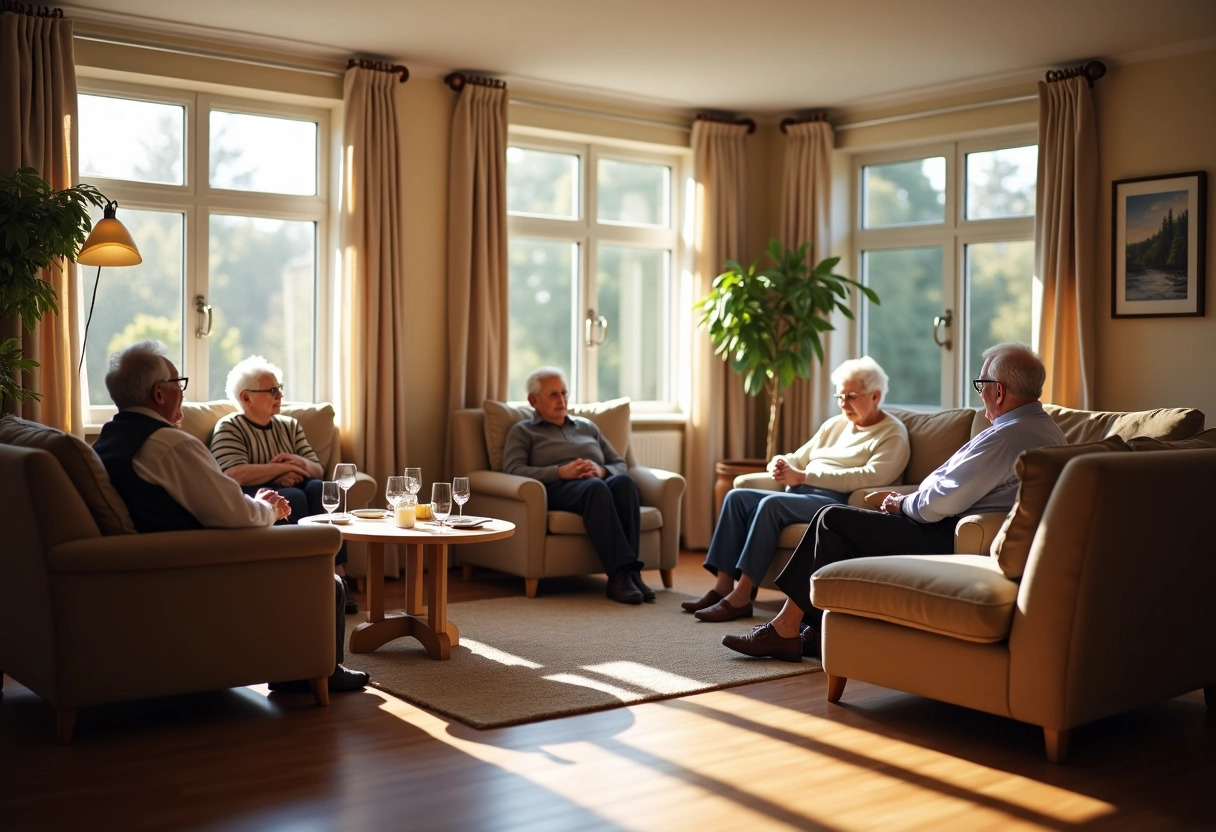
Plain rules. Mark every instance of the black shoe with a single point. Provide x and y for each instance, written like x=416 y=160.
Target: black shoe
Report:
x=647 y=592
x=811 y=645
x=344 y=680
x=622 y=589
x=352 y=606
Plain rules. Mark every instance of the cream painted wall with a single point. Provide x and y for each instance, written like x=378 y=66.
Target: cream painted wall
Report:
x=1155 y=118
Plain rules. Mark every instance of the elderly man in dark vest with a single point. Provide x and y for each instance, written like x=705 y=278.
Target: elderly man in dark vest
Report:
x=169 y=479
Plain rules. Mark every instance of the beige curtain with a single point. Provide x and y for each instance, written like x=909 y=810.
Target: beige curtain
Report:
x=38 y=129
x=716 y=425
x=477 y=250
x=806 y=215
x=1066 y=207
x=371 y=321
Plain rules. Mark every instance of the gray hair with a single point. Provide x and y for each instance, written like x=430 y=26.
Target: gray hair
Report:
x=1018 y=367
x=245 y=374
x=866 y=371
x=538 y=377
x=133 y=370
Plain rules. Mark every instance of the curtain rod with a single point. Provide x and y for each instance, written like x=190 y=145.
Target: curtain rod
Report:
x=940 y=111
x=206 y=53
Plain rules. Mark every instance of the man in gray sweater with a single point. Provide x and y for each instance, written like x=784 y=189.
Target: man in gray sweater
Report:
x=582 y=473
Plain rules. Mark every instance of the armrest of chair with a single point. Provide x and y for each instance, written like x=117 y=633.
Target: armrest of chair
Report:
x=659 y=488
x=761 y=480
x=858 y=497
x=974 y=533
x=204 y=547
x=363 y=491
x=507 y=486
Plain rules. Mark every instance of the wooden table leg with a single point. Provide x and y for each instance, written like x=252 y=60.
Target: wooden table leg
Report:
x=413 y=578
x=435 y=632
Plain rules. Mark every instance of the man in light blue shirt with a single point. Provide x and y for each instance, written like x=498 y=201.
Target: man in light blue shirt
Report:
x=979 y=477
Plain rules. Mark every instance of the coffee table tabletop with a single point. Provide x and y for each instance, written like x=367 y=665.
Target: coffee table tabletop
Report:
x=426 y=539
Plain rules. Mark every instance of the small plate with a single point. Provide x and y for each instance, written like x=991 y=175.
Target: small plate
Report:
x=339 y=520
x=370 y=513
x=466 y=522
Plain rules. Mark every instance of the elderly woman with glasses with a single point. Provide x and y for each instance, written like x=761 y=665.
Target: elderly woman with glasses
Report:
x=260 y=448
x=863 y=447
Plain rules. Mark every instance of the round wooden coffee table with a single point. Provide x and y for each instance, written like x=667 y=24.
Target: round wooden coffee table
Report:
x=435 y=632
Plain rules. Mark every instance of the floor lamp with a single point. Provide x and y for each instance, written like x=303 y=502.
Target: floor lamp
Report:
x=109 y=244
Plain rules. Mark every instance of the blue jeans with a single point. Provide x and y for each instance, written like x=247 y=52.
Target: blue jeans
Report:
x=305 y=501
x=751 y=522
x=611 y=511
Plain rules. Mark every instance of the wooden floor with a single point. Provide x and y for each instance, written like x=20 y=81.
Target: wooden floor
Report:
x=771 y=755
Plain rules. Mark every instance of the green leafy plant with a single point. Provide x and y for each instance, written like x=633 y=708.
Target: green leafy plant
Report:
x=767 y=324
x=39 y=227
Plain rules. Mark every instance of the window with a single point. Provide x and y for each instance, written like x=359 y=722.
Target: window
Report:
x=227 y=201
x=594 y=257
x=945 y=236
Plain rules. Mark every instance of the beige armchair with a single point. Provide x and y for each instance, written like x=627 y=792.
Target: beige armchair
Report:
x=1097 y=598
x=215 y=608
x=554 y=543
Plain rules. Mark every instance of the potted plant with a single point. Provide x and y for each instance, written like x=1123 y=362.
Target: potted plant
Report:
x=767 y=324
x=38 y=228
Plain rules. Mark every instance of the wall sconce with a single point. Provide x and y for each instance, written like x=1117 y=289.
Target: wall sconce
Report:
x=109 y=244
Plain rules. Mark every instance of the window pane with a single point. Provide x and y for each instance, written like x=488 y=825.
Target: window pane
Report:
x=1001 y=183
x=1000 y=285
x=542 y=183
x=632 y=284
x=136 y=302
x=542 y=277
x=899 y=332
x=633 y=193
x=904 y=193
x=263 y=154
x=262 y=275
x=121 y=138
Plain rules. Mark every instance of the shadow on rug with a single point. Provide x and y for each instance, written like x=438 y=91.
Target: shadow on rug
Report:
x=526 y=659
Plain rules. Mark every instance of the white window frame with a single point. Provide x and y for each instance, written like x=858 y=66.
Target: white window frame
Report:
x=589 y=234
x=198 y=201
x=952 y=236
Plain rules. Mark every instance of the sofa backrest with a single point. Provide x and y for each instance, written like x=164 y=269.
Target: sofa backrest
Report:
x=199 y=419
x=81 y=465
x=1093 y=425
x=933 y=437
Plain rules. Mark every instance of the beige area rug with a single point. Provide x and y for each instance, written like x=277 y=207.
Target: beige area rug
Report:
x=526 y=659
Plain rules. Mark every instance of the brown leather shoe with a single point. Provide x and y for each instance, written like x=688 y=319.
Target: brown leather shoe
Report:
x=707 y=600
x=724 y=611
x=764 y=643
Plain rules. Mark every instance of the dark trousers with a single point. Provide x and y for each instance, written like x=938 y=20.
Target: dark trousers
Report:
x=305 y=501
x=843 y=532
x=340 y=617
x=611 y=511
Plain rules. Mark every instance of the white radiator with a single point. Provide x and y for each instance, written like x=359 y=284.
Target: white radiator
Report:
x=659 y=449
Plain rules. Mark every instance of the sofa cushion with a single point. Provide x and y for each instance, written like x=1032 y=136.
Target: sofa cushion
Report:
x=611 y=417
x=1207 y=439
x=199 y=418
x=1092 y=425
x=82 y=466
x=933 y=437
x=1037 y=472
x=961 y=596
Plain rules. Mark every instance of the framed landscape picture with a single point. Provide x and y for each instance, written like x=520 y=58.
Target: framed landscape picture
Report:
x=1157 y=258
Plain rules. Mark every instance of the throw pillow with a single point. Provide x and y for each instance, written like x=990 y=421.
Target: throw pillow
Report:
x=933 y=437
x=1037 y=470
x=318 y=423
x=1092 y=425
x=1207 y=439
x=611 y=417
x=82 y=467
x=199 y=418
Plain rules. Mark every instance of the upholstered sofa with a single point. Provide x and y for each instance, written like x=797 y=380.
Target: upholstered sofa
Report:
x=92 y=613
x=1096 y=597
x=934 y=436
x=547 y=543
x=200 y=418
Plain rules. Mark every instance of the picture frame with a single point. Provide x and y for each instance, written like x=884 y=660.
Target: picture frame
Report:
x=1158 y=246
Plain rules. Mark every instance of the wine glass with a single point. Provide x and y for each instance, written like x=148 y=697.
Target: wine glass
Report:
x=329 y=498
x=413 y=480
x=441 y=503
x=460 y=492
x=344 y=474
x=394 y=492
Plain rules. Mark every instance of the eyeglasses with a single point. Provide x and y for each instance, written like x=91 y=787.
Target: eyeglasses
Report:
x=847 y=397
x=979 y=383
x=182 y=382
x=276 y=391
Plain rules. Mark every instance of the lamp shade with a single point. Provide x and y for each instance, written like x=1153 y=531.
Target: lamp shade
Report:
x=110 y=243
